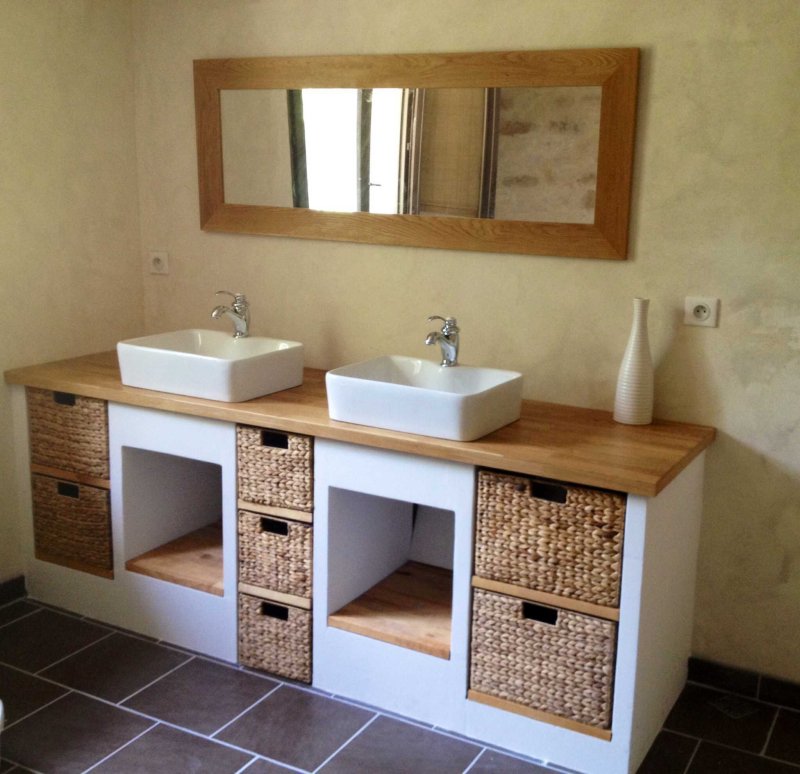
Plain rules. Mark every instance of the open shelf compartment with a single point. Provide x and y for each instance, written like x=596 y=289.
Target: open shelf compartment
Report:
x=173 y=527
x=391 y=575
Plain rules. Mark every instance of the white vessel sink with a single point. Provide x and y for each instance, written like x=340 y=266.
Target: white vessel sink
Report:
x=211 y=364
x=460 y=403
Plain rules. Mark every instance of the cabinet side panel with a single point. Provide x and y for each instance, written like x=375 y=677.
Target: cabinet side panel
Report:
x=667 y=603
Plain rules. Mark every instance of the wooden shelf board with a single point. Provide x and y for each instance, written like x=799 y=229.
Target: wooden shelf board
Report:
x=193 y=560
x=552 y=600
x=411 y=608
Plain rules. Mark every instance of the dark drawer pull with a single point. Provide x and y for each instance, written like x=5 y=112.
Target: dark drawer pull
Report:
x=275 y=611
x=540 y=613
x=275 y=526
x=64 y=398
x=69 y=490
x=541 y=490
x=275 y=440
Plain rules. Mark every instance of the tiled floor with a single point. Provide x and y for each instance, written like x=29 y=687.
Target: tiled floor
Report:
x=80 y=696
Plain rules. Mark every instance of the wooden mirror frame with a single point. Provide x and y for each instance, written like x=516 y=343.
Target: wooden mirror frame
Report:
x=615 y=70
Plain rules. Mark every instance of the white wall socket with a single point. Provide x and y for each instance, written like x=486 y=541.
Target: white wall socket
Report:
x=700 y=310
x=159 y=262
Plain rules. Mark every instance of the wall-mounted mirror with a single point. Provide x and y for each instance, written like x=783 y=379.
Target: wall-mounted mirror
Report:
x=526 y=152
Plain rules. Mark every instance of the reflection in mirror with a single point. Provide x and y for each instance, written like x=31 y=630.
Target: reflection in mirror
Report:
x=512 y=154
x=511 y=151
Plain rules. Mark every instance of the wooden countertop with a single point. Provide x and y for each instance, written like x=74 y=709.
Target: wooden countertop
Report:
x=582 y=446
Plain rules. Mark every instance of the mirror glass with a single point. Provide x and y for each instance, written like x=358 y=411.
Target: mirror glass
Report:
x=527 y=152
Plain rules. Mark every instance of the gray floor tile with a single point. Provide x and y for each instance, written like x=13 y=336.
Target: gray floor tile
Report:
x=670 y=754
x=296 y=727
x=493 y=762
x=393 y=747
x=115 y=667
x=36 y=641
x=719 y=717
x=716 y=759
x=784 y=742
x=23 y=693
x=165 y=750
x=201 y=695
x=70 y=735
x=16 y=610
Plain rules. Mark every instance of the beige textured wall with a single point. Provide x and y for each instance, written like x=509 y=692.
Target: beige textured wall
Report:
x=714 y=213
x=69 y=262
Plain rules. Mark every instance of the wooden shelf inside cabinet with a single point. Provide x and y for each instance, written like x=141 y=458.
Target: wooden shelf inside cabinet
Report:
x=412 y=608
x=193 y=560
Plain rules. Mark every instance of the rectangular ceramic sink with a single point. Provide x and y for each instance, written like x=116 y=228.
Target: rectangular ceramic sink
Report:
x=460 y=403
x=211 y=364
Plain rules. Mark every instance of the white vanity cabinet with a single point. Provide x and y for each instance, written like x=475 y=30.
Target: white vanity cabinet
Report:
x=533 y=589
x=571 y=650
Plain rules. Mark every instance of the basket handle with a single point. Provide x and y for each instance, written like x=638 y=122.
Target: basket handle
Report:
x=68 y=490
x=274 y=440
x=545 y=490
x=540 y=613
x=275 y=611
x=274 y=526
x=64 y=398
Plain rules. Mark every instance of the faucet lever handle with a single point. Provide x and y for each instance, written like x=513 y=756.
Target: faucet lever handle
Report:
x=239 y=299
x=450 y=324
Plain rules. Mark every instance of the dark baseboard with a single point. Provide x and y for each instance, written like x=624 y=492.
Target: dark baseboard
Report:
x=12 y=589
x=741 y=681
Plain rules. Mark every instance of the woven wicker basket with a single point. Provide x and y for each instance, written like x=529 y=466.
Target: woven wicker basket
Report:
x=275 y=468
x=71 y=523
x=557 y=538
x=275 y=553
x=275 y=638
x=565 y=668
x=68 y=432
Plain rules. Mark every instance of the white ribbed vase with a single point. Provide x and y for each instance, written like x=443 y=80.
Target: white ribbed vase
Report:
x=633 y=404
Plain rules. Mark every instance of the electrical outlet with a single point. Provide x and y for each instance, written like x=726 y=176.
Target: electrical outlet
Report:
x=159 y=262
x=699 y=310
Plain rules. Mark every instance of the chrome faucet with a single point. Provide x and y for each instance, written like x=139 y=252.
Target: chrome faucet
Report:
x=447 y=339
x=238 y=311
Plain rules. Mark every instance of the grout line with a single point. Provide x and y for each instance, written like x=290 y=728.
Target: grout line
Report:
x=341 y=747
x=129 y=742
x=692 y=757
x=769 y=733
x=269 y=693
x=153 y=682
x=33 y=712
x=19 y=618
x=474 y=760
x=246 y=766
x=70 y=655
x=386 y=713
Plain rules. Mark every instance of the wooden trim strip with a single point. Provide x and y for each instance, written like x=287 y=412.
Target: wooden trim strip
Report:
x=545 y=598
x=270 y=510
x=275 y=596
x=545 y=717
x=66 y=475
